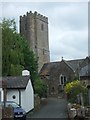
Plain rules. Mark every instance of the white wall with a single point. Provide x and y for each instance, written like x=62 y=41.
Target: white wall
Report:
x=10 y=94
x=1 y=94
x=27 y=98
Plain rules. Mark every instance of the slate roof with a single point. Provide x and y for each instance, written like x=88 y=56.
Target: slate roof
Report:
x=47 y=67
x=74 y=64
x=19 y=82
x=85 y=71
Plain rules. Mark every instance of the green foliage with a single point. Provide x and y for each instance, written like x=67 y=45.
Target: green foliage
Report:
x=7 y=23
x=40 y=88
x=11 y=53
x=30 y=62
x=15 y=69
x=16 y=54
x=74 y=88
x=71 y=85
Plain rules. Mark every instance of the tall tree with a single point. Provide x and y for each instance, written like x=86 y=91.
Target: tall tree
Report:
x=16 y=54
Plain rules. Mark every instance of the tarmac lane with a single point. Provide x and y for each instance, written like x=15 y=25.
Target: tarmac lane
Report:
x=55 y=108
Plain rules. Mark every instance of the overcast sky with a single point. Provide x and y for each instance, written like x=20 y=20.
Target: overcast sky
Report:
x=68 y=25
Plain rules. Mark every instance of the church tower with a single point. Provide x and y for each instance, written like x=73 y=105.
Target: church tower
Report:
x=34 y=27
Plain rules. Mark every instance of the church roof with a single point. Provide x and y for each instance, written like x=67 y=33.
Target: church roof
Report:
x=85 y=71
x=47 y=67
x=55 y=66
x=74 y=64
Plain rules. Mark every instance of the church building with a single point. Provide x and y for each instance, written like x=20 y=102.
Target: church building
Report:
x=34 y=27
x=57 y=74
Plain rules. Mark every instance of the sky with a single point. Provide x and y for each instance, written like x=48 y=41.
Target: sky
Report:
x=68 y=25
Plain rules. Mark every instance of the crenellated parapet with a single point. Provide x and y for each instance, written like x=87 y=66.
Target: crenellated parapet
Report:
x=35 y=15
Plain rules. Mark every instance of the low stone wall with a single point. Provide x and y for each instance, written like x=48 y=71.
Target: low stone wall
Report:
x=0 y=113
x=39 y=102
x=43 y=101
x=87 y=113
x=7 y=113
x=36 y=102
x=77 y=112
x=71 y=111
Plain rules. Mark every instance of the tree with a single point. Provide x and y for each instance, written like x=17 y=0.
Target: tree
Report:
x=10 y=51
x=16 y=54
x=30 y=62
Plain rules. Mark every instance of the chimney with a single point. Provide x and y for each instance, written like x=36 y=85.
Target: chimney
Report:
x=25 y=73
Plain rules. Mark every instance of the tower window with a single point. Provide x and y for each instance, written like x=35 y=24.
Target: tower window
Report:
x=26 y=25
x=43 y=51
x=42 y=27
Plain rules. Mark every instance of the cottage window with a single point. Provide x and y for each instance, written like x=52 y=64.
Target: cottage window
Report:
x=13 y=96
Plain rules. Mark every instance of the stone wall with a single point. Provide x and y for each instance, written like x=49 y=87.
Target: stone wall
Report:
x=39 y=102
x=78 y=112
x=36 y=102
x=54 y=77
x=0 y=113
x=8 y=113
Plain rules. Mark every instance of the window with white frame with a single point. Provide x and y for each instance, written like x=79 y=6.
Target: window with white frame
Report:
x=63 y=79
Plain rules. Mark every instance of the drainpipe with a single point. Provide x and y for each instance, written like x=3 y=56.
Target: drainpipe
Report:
x=4 y=97
x=88 y=86
x=19 y=97
x=5 y=93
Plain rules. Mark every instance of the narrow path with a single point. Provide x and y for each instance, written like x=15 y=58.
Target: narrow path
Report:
x=55 y=108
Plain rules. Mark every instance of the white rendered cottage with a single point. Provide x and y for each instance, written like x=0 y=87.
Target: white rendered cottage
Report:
x=20 y=90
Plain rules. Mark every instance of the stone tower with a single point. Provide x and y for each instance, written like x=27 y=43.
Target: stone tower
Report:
x=34 y=27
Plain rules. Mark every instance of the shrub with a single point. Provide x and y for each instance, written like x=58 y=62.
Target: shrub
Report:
x=40 y=88
x=71 y=85
x=74 y=88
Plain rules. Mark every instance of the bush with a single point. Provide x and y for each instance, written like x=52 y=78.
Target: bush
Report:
x=73 y=89
x=40 y=88
x=71 y=85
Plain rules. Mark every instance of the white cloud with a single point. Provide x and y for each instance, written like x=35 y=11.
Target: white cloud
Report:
x=70 y=15
x=70 y=44
x=0 y=11
x=68 y=25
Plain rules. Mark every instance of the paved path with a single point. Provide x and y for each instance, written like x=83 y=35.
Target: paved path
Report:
x=55 y=108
